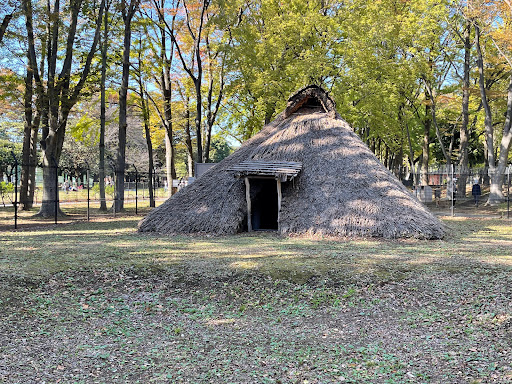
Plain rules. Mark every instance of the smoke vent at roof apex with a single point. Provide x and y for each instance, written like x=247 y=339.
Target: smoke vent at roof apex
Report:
x=310 y=97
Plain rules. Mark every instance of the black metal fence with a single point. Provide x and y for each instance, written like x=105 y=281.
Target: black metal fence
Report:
x=75 y=194
x=451 y=187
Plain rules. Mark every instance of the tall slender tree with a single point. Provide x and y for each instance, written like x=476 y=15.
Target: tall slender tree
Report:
x=497 y=21
x=464 y=129
x=127 y=11
x=194 y=25
x=104 y=64
x=30 y=133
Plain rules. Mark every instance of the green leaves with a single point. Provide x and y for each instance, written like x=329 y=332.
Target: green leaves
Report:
x=6 y=159
x=86 y=130
x=278 y=47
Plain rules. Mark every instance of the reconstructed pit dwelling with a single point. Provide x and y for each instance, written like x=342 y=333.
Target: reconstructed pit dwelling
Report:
x=306 y=172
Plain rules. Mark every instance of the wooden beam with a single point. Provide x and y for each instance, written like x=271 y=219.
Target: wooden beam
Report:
x=278 y=203
x=248 y=200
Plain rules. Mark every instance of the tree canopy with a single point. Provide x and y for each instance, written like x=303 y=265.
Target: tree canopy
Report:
x=422 y=82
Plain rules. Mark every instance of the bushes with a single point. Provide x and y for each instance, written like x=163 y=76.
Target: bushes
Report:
x=6 y=189
x=109 y=189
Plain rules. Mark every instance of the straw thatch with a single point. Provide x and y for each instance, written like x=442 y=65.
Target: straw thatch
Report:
x=342 y=190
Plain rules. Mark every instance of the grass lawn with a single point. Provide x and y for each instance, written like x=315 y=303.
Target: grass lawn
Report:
x=99 y=303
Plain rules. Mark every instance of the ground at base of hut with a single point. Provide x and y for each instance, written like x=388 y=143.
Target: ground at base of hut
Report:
x=98 y=302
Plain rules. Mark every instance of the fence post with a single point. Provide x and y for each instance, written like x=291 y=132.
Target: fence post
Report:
x=508 y=191
x=56 y=189
x=154 y=185
x=88 y=196
x=453 y=190
x=136 y=189
x=115 y=196
x=15 y=190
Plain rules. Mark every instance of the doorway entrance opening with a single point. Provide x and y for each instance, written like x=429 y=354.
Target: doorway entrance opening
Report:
x=264 y=205
x=263 y=194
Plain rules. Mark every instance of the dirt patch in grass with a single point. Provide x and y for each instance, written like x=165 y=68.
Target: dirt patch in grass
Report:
x=97 y=302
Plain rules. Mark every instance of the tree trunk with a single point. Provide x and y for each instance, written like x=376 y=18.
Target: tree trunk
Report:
x=464 y=136
x=52 y=148
x=104 y=47
x=188 y=140
x=269 y=112
x=50 y=192
x=166 y=88
x=144 y=104
x=145 y=112
x=5 y=23
x=169 y=145
x=366 y=135
x=398 y=161
x=208 y=140
x=27 y=195
x=211 y=114
x=169 y=163
x=29 y=156
x=506 y=140
x=198 y=120
x=123 y=96
x=425 y=147
x=495 y=195
x=411 y=154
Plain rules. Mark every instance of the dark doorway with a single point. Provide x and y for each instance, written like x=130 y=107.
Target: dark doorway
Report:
x=264 y=204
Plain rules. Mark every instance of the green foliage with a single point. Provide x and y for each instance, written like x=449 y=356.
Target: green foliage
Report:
x=86 y=130
x=374 y=57
x=220 y=148
x=6 y=188
x=6 y=191
x=6 y=159
x=370 y=55
x=109 y=189
x=278 y=48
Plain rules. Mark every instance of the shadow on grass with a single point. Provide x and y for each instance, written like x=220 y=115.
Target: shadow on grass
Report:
x=474 y=246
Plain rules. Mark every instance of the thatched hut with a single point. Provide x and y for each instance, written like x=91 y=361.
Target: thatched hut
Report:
x=307 y=172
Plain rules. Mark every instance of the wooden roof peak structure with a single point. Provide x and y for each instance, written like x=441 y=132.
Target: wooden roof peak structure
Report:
x=312 y=97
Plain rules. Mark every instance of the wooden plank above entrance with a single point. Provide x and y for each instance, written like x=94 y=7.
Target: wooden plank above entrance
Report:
x=282 y=170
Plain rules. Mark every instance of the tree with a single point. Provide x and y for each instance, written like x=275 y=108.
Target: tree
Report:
x=184 y=92
x=162 y=75
x=220 y=148
x=104 y=62
x=30 y=133
x=7 y=148
x=277 y=48
x=494 y=19
x=16 y=103
x=56 y=92
x=11 y=8
x=143 y=103
x=127 y=11
x=465 y=38
x=216 y=51
x=194 y=22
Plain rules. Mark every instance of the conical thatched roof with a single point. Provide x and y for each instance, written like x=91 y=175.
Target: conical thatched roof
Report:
x=342 y=189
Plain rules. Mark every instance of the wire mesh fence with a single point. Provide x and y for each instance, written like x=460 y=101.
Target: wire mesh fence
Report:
x=454 y=187
x=75 y=194
x=64 y=195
